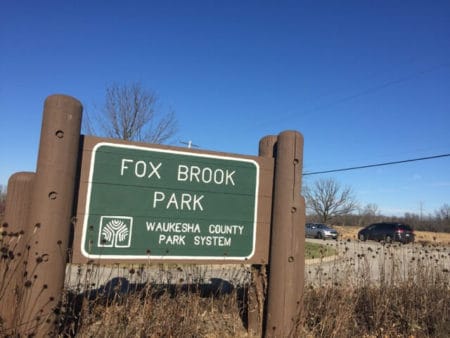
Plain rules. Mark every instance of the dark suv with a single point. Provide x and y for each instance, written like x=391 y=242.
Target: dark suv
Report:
x=388 y=232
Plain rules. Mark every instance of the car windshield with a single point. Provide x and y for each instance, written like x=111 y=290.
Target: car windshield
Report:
x=404 y=227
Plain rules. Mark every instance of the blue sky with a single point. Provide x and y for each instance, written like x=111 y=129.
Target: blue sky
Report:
x=364 y=81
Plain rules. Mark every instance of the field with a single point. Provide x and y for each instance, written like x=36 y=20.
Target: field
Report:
x=313 y=250
x=197 y=306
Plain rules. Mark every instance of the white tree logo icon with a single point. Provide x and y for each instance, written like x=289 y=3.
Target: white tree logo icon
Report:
x=115 y=231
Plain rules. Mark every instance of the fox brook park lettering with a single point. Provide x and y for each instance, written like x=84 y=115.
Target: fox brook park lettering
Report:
x=151 y=202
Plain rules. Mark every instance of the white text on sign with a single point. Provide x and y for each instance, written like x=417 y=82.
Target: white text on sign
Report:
x=185 y=173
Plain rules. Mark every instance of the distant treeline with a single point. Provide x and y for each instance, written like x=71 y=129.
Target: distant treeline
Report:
x=437 y=222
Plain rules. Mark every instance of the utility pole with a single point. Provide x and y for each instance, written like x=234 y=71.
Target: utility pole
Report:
x=189 y=144
x=421 y=203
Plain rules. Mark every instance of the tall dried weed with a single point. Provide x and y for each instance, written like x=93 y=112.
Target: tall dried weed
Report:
x=409 y=297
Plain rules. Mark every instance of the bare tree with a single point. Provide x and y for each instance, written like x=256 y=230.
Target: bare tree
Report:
x=2 y=200
x=369 y=214
x=442 y=218
x=371 y=209
x=444 y=212
x=326 y=199
x=131 y=112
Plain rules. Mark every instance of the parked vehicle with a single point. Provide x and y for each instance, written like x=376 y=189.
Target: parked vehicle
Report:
x=319 y=230
x=388 y=232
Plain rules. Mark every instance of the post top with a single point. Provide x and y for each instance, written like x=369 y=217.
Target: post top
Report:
x=62 y=99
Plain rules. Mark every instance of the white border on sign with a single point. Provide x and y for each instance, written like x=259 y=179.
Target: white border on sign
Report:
x=146 y=257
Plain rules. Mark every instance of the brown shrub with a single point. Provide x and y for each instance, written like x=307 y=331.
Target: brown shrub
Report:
x=416 y=306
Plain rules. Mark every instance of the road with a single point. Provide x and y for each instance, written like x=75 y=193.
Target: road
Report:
x=372 y=262
x=355 y=263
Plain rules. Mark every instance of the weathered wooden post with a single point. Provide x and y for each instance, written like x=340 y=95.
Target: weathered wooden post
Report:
x=50 y=214
x=287 y=263
x=258 y=287
x=14 y=231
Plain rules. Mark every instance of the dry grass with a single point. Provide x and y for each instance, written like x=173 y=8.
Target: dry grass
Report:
x=413 y=302
x=416 y=306
x=154 y=312
x=405 y=310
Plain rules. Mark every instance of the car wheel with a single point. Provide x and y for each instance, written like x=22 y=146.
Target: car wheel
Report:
x=319 y=235
x=388 y=239
x=362 y=237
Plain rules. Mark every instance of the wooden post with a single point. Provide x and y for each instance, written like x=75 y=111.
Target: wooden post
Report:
x=258 y=287
x=51 y=212
x=14 y=232
x=287 y=263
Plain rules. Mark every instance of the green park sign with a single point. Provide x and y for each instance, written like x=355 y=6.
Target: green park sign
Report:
x=148 y=202
x=105 y=201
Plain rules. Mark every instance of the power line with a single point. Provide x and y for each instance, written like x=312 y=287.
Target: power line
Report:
x=375 y=165
x=363 y=92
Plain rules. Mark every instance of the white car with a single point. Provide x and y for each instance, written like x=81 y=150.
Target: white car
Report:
x=319 y=230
